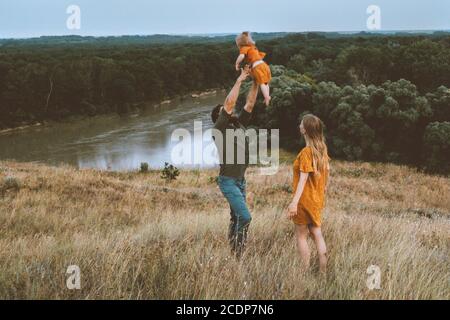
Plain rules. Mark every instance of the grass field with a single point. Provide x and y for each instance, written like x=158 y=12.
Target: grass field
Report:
x=136 y=237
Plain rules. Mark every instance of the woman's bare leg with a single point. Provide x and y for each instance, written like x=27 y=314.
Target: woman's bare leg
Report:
x=302 y=232
x=316 y=233
x=266 y=93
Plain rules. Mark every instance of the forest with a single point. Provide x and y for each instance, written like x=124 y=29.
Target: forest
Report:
x=382 y=97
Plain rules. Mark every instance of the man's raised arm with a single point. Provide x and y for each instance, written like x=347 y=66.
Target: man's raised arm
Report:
x=230 y=101
x=251 y=98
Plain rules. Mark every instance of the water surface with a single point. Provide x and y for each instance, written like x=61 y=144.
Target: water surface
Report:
x=110 y=141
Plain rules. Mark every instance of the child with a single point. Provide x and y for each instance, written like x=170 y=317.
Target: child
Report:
x=311 y=169
x=260 y=70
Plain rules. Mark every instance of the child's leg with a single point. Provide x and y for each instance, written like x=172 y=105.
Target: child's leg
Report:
x=266 y=93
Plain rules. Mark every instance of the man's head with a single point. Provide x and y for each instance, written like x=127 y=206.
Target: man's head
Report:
x=215 y=112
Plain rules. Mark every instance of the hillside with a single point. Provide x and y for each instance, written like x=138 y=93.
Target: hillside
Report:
x=133 y=236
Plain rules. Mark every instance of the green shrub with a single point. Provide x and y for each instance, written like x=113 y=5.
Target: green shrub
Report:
x=169 y=172
x=144 y=167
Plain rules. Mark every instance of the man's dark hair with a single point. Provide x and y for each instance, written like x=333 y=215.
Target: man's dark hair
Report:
x=215 y=112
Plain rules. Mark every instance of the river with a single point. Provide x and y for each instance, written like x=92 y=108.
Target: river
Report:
x=111 y=141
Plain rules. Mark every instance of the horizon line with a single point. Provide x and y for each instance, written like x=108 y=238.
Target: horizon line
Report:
x=218 y=34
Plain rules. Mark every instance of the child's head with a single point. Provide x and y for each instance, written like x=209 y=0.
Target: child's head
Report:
x=311 y=128
x=244 y=39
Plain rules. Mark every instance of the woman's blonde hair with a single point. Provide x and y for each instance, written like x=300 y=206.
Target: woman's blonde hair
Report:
x=316 y=141
x=244 y=39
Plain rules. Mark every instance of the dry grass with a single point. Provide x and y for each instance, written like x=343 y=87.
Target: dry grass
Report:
x=136 y=238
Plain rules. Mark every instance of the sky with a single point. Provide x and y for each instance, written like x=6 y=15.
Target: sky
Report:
x=32 y=18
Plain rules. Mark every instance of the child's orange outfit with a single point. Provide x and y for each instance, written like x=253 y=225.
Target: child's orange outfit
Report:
x=309 y=210
x=260 y=70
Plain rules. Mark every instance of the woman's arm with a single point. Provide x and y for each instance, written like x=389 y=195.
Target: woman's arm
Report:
x=239 y=60
x=292 y=209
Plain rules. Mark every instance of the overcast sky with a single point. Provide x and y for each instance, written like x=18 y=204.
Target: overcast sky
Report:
x=30 y=18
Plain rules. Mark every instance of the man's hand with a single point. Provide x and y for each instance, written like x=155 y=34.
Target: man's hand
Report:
x=245 y=72
x=232 y=97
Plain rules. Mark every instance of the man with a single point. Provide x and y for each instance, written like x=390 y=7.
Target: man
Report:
x=232 y=173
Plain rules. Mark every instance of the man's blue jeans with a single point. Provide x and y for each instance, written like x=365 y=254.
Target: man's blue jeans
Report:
x=234 y=191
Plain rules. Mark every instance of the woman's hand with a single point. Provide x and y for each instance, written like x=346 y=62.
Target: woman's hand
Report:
x=292 y=210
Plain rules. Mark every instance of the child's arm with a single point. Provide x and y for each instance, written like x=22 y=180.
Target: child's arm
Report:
x=239 y=60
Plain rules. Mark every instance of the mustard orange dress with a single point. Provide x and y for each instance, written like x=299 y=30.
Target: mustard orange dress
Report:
x=309 y=210
x=261 y=73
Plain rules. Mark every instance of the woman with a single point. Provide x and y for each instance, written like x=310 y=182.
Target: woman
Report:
x=311 y=170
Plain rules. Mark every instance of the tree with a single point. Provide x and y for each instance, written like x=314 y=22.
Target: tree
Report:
x=440 y=104
x=437 y=146
x=297 y=63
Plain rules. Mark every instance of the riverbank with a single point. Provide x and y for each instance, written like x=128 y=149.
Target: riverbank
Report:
x=136 y=237
x=134 y=107
x=37 y=124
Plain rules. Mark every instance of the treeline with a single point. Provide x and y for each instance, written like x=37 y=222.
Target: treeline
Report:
x=53 y=83
x=62 y=41
x=55 y=77
x=51 y=78
x=389 y=122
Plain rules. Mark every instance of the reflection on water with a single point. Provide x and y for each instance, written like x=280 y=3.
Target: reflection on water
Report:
x=113 y=141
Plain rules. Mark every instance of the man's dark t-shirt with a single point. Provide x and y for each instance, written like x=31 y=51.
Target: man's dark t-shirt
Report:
x=224 y=122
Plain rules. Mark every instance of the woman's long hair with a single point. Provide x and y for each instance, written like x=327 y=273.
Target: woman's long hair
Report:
x=316 y=141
